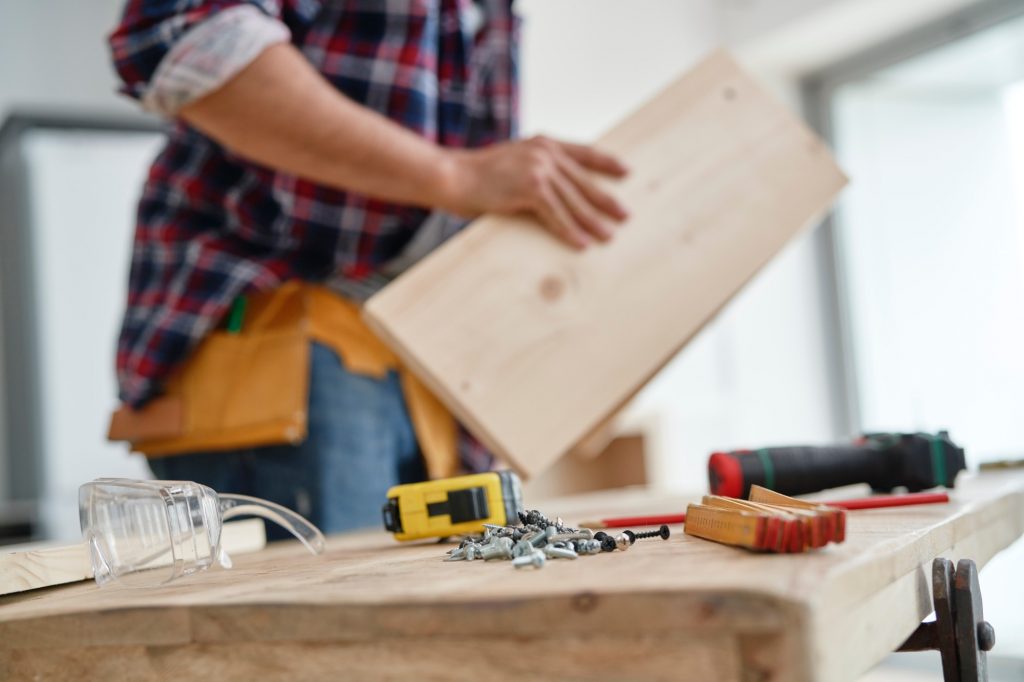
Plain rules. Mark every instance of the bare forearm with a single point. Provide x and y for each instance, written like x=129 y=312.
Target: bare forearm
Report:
x=278 y=111
x=281 y=113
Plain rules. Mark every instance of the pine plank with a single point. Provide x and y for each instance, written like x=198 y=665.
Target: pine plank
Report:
x=45 y=565
x=533 y=345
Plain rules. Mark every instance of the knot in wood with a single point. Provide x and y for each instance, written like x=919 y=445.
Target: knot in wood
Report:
x=584 y=602
x=551 y=288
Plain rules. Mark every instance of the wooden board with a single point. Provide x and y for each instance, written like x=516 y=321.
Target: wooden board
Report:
x=532 y=344
x=619 y=465
x=373 y=609
x=30 y=567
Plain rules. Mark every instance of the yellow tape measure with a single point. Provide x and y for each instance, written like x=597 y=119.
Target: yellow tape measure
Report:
x=453 y=506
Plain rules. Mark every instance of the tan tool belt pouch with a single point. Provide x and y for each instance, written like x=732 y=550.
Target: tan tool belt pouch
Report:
x=237 y=390
x=251 y=388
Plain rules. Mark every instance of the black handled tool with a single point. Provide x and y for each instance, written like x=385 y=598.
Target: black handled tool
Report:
x=884 y=461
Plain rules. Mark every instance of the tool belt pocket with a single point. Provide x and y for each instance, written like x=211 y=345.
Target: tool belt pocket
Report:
x=238 y=389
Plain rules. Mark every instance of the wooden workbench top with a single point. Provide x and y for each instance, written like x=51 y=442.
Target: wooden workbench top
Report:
x=370 y=608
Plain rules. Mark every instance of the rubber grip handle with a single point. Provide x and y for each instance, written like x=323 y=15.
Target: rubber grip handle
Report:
x=800 y=470
x=795 y=470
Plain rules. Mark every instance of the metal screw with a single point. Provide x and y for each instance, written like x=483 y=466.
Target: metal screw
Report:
x=500 y=531
x=542 y=537
x=535 y=518
x=559 y=553
x=662 y=533
x=499 y=548
x=522 y=548
x=534 y=558
x=536 y=539
x=582 y=534
x=457 y=554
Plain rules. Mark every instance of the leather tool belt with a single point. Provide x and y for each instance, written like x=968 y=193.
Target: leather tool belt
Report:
x=250 y=387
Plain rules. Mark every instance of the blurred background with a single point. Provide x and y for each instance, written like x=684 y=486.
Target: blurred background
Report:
x=904 y=311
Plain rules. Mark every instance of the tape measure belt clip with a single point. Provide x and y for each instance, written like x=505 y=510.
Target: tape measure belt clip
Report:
x=469 y=504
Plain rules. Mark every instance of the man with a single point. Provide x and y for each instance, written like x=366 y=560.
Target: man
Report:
x=331 y=143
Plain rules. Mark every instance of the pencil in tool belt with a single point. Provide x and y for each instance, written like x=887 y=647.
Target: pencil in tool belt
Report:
x=237 y=315
x=877 y=502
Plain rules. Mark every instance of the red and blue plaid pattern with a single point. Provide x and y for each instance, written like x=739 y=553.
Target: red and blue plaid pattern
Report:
x=212 y=226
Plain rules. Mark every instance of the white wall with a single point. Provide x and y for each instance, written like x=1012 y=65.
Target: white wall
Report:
x=792 y=37
x=588 y=63
x=84 y=187
x=54 y=55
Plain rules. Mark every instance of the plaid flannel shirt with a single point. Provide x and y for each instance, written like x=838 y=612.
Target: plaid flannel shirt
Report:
x=212 y=226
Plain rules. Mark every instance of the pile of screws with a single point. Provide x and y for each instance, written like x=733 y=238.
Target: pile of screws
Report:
x=538 y=539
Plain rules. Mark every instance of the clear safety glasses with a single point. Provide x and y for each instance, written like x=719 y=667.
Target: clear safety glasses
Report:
x=151 y=532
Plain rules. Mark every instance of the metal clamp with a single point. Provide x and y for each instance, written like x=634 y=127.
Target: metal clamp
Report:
x=959 y=632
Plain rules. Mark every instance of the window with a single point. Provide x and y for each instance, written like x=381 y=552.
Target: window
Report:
x=929 y=247
x=930 y=240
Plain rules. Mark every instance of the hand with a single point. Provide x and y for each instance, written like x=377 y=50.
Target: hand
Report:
x=541 y=176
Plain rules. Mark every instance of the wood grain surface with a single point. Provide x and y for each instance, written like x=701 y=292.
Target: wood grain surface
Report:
x=533 y=345
x=30 y=567
x=371 y=608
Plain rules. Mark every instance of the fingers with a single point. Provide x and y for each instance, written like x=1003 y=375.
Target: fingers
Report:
x=594 y=195
x=588 y=157
x=558 y=219
x=566 y=198
x=582 y=211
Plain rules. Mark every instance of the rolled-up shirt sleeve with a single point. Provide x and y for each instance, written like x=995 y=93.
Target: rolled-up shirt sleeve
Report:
x=171 y=52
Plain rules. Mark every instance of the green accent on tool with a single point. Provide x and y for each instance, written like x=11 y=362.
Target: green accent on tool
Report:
x=237 y=315
x=769 y=469
x=939 y=461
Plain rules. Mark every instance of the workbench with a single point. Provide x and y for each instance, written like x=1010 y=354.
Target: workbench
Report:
x=372 y=609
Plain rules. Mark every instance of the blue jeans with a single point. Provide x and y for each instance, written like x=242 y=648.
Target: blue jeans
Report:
x=360 y=443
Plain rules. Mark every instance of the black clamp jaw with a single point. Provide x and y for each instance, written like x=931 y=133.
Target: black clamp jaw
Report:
x=959 y=632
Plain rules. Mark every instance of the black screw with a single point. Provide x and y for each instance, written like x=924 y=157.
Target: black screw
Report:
x=607 y=541
x=631 y=535
x=662 y=533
